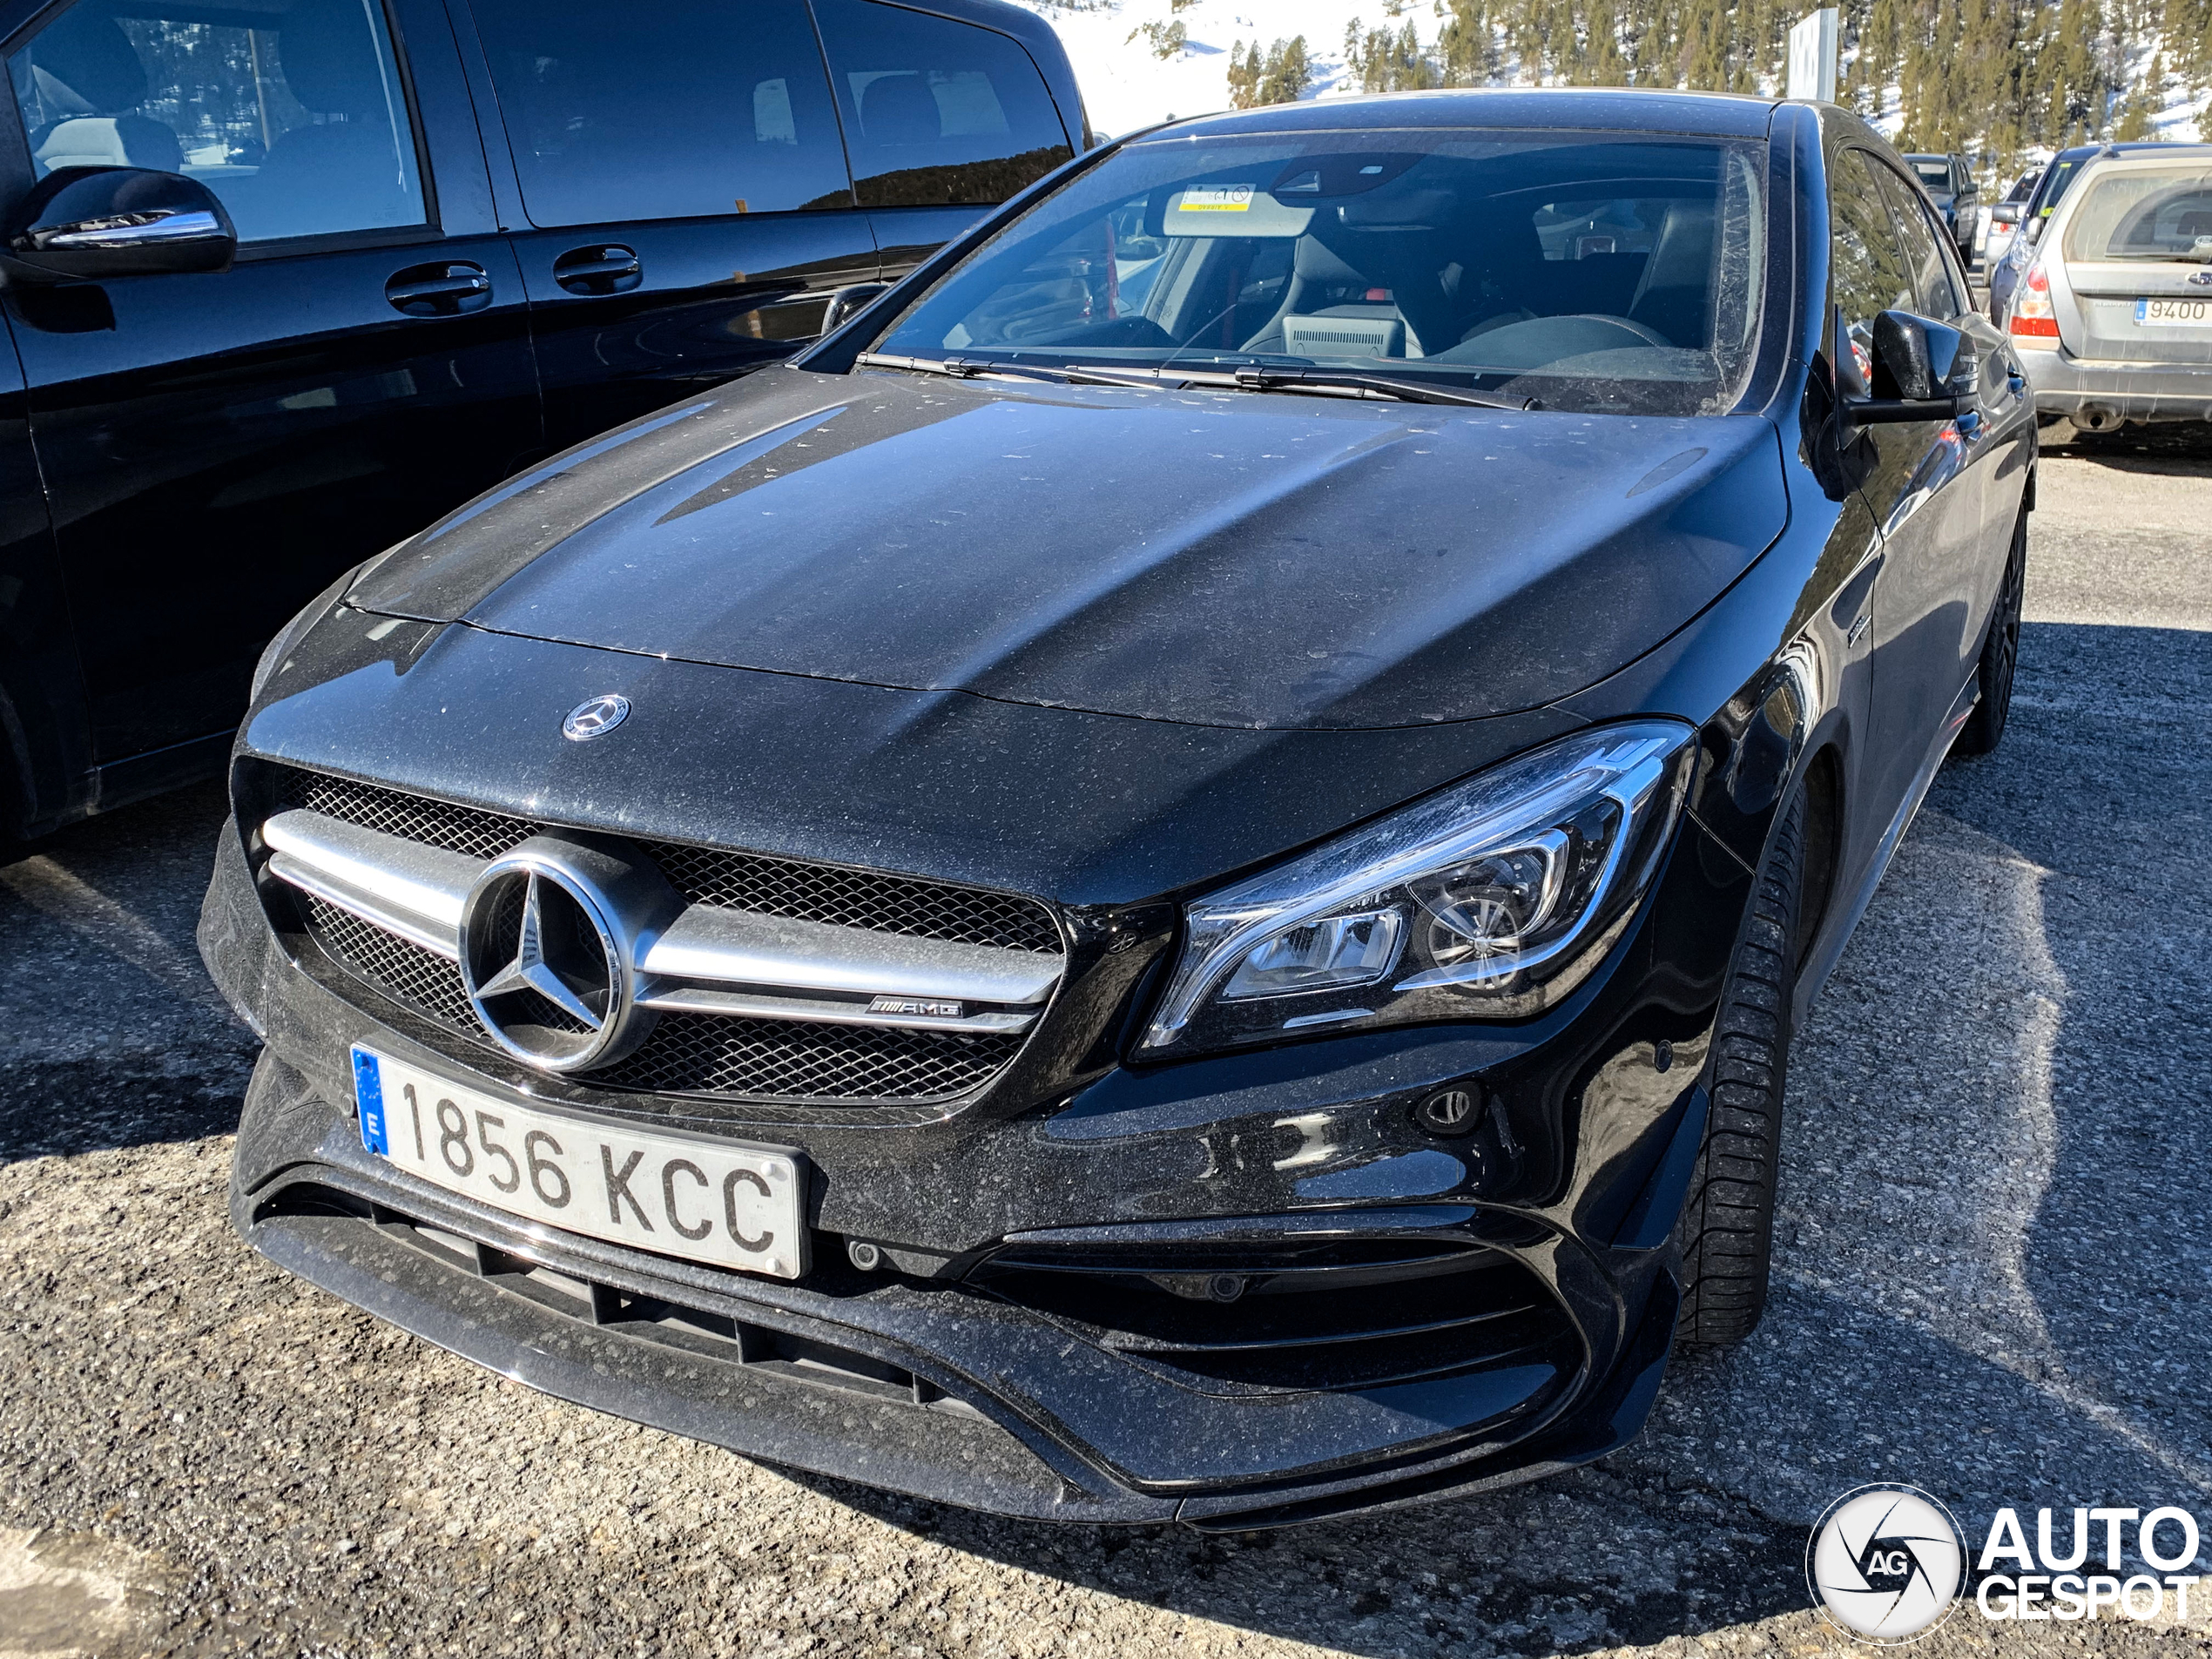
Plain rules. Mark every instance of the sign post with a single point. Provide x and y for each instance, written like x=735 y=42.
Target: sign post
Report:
x=1812 y=57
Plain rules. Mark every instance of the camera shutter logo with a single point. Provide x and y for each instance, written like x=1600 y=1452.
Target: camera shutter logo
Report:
x=1886 y=1563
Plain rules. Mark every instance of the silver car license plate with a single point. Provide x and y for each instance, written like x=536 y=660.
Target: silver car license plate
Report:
x=2178 y=314
x=677 y=1195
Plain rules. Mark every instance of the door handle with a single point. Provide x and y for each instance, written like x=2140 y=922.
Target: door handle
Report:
x=601 y=268
x=445 y=288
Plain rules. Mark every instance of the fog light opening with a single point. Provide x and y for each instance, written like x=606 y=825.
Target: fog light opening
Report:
x=1449 y=1111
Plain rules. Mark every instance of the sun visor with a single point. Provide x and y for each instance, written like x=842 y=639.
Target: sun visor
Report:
x=1231 y=207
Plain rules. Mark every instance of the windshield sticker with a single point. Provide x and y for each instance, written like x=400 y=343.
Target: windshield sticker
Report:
x=1226 y=198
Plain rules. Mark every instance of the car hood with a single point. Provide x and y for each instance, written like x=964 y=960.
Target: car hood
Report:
x=1222 y=559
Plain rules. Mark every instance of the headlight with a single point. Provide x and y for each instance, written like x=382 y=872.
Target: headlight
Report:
x=1488 y=901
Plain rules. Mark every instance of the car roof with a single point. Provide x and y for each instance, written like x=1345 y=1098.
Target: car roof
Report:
x=1719 y=114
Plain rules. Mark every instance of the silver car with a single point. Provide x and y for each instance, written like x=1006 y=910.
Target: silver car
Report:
x=2113 y=317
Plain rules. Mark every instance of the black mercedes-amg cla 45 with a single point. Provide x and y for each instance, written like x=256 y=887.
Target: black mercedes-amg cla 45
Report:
x=1170 y=878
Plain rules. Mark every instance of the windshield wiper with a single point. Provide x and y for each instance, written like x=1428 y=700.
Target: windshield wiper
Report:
x=1249 y=377
x=1259 y=378
x=968 y=368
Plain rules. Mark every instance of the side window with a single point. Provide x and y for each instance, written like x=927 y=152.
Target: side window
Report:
x=659 y=111
x=1867 y=272
x=1933 y=295
x=292 y=113
x=937 y=113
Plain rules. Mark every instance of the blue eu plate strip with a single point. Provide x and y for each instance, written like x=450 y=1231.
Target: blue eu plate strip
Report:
x=369 y=1093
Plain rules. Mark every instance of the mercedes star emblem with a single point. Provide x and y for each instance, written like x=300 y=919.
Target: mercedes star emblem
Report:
x=542 y=960
x=594 y=719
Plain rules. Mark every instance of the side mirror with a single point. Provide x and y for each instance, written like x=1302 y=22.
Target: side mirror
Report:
x=1922 y=371
x=850 y=302
x=93 y=223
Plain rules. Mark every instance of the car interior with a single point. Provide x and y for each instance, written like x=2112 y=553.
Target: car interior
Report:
x=1603 y=258
x=314 y=140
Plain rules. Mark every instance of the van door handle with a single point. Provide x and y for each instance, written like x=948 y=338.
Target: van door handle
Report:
x=601 y=268
x=443 y=289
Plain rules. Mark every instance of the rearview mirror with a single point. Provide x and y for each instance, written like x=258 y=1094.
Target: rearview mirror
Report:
x=1914 y=358
x=848 y=302
x=1922 y=371
x=94 y=223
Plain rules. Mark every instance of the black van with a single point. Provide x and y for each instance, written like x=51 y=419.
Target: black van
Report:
x=287 y=279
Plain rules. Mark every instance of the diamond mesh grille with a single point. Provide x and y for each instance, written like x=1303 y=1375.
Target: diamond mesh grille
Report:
x=412 y=817
x=709 y=875
x=797 y=1060
x=402 y=968
x=691 y=1054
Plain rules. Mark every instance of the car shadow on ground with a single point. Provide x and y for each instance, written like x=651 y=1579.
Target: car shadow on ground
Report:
x=110 y=1034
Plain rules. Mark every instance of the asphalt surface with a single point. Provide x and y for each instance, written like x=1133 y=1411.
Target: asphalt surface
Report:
x=1994 y=1281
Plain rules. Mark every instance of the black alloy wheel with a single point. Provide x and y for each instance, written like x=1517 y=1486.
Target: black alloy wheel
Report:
x=1727 y=1228
x=2000 y=651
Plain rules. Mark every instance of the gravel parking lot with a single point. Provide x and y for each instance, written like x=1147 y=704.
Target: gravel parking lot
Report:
x=1995 y=1281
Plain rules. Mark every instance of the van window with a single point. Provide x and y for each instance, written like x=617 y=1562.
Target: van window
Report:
x=619 y=113
x=937 y=113
x=292 y=113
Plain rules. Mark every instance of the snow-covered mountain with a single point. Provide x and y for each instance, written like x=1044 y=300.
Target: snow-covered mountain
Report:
x=1127 y=84
x=1128 y=81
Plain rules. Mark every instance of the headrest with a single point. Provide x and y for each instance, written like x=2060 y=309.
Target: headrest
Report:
x=899 y=109
x=1682 y=257
x=329 y=60
x=85 y=64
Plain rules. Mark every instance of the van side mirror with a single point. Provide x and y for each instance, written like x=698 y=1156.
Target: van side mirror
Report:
x=848 y=302
x=1922 y=371
x=94 y=223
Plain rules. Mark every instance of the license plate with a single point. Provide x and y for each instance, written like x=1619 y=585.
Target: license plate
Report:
x=2151 y=313
x=675 y=1195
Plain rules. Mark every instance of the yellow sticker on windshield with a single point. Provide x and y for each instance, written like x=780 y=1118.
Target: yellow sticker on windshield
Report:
x=1228 y=198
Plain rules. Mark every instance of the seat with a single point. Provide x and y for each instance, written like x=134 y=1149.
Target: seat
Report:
x=901 y=109
x=345 y=171
x=1674 y=296
x=1361 y=292
x=88 y=77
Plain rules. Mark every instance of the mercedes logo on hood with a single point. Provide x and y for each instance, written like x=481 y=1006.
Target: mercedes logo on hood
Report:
x=594 y=719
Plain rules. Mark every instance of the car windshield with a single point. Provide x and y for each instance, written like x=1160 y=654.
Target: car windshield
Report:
x=2054 y=183
x=1582 y=271
x=2163 y=215
x=1935 y=174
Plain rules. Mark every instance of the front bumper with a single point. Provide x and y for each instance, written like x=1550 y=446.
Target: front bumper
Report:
x=972 y=1374
x=2100 y=394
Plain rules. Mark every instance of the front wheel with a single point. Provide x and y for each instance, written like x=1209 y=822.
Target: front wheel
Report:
x=1726 y=1227
x=2000 y=651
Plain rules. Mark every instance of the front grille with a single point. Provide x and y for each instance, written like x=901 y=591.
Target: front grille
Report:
x=709 y=875
x=785 y=1061
x=795 y=1059
x=421 y=979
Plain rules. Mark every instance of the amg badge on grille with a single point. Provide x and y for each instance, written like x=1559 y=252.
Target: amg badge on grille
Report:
x=934 y=1006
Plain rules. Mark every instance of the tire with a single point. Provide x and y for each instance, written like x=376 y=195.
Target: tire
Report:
x=2000 y=651
x=1727 y=1228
